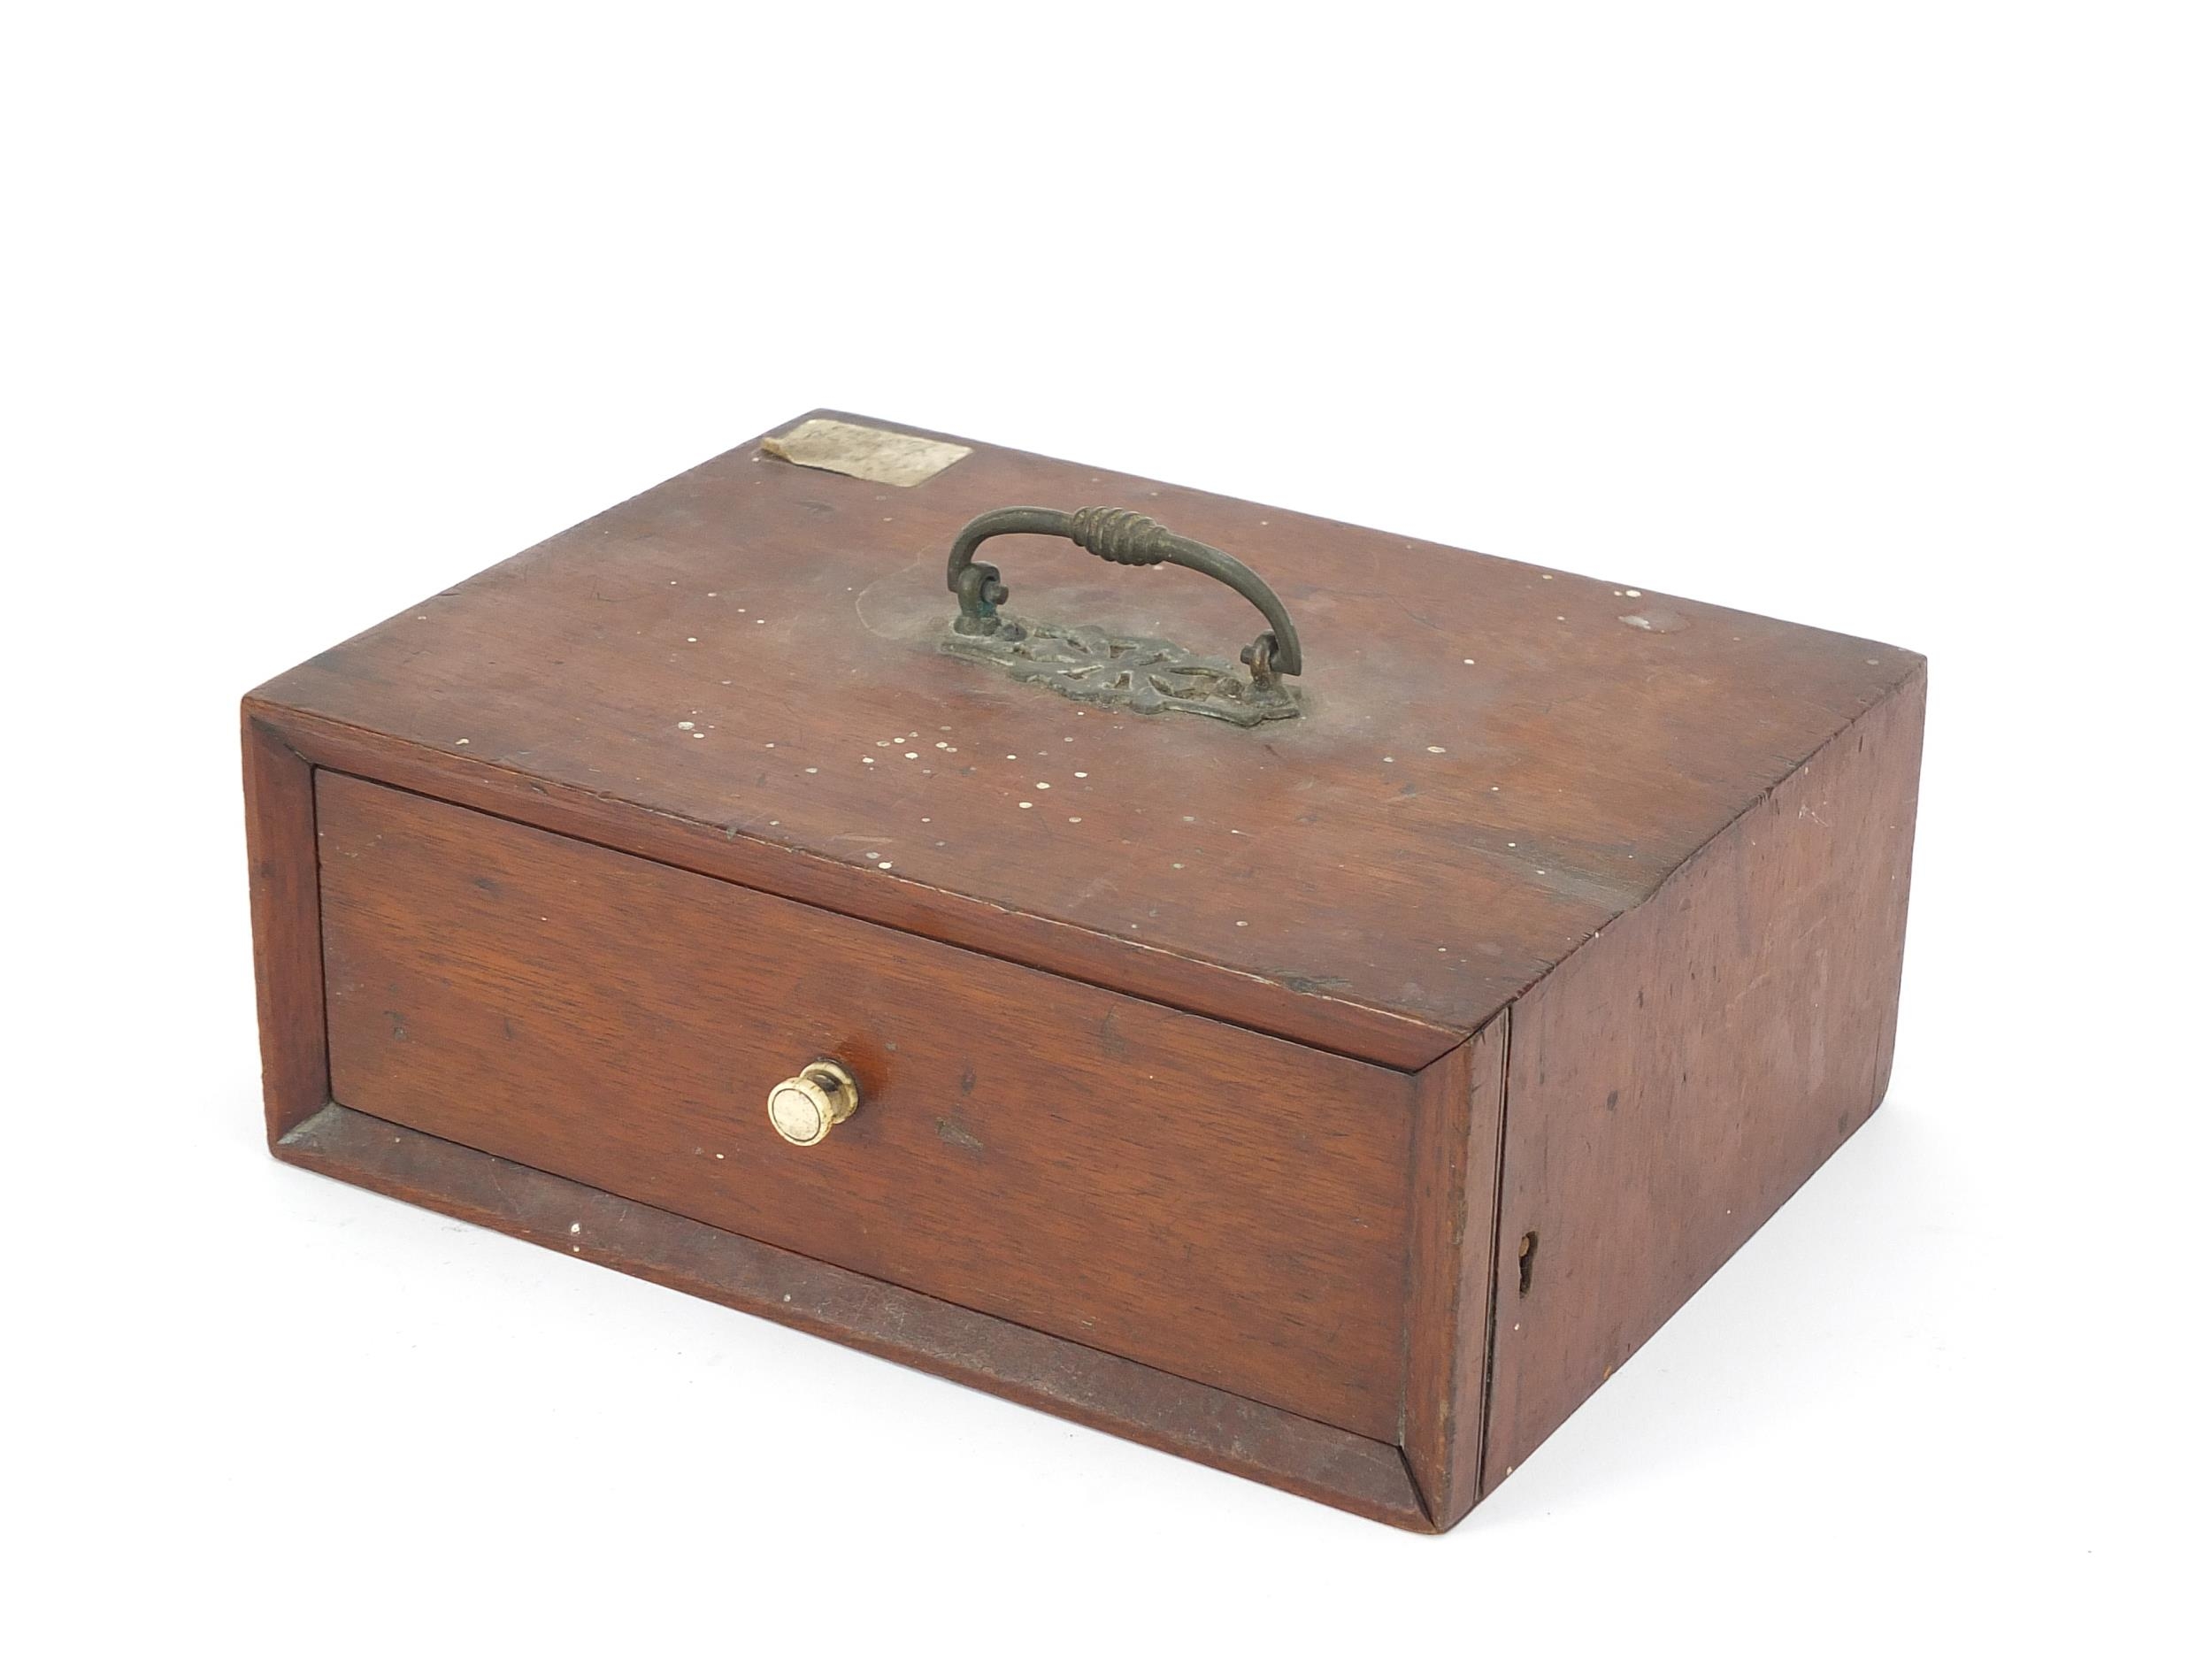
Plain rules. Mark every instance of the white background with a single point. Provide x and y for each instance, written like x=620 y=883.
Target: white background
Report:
x=1887 y=318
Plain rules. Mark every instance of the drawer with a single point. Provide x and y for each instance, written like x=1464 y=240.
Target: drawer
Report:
x=1224 y=1205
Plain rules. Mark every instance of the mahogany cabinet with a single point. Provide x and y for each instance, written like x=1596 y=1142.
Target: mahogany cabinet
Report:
x=814 y=885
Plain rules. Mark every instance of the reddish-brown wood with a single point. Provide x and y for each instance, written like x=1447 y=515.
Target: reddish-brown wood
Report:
x=1456 y=1147
x=287 y=940
x=1681 y=1075
x=1216 y=1203
x=1336 y=1102
x=1067 y=1378
x=1071 y=952
x=1556 y=744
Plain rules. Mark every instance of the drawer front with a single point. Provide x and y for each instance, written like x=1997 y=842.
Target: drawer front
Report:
x=1226 y=1206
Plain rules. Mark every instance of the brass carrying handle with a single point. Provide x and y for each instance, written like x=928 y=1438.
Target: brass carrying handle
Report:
x=1123 y=538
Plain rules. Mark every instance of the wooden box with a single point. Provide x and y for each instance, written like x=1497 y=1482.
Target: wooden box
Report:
x=1335 y=1091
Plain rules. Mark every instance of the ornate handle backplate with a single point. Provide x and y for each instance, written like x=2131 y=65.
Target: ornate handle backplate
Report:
x=1092 y=666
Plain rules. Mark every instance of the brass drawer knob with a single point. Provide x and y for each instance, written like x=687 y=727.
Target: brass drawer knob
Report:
x=804 y=1108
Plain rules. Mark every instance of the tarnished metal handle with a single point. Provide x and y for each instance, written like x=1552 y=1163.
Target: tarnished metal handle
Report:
x=1125 y=537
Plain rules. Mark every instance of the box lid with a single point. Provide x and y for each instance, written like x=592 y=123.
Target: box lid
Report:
x=744 y=670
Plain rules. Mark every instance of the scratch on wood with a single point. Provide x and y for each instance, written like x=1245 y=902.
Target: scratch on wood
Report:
x=954 y=1134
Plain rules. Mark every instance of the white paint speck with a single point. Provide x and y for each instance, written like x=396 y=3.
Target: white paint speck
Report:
x=1635 y=593
x=1075 y=820
x=1028 y=804
x=1435 y=748
x=575 y=1227
x=1044 y=785
x=814 y=769
x=1244 y=924
x=691 y=639
x=683 y=726
x=912 y=755
x=867 y=760
x=462 y=741
x=1082 y=775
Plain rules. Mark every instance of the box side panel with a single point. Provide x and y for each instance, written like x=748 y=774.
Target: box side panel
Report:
x=1460 y=1112
x=286 y=927
x=1679 y=1077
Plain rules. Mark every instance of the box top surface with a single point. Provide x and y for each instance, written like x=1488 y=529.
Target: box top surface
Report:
x=1494 y=760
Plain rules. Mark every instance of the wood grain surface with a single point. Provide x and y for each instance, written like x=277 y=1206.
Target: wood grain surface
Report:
x=1339 y=1101
x=286 y=926
x=1680 y=1077
x=1211 y=1203
x=1499 y=759
x=1456 y=1153
x=1241 y=1436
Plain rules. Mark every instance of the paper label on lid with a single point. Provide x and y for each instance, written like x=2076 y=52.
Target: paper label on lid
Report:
x=865 y=452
